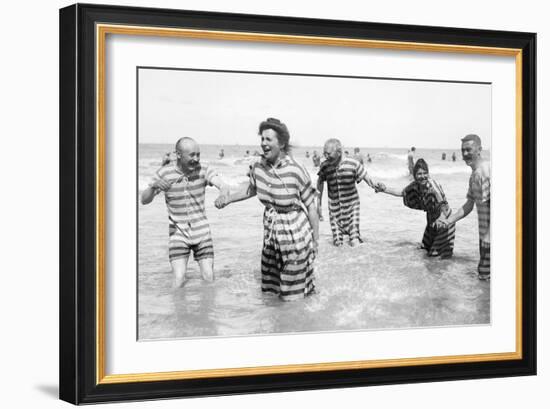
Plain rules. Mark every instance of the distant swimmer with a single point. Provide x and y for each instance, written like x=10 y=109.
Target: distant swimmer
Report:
x=247 y=154
x=454 y=157
x=443 y=156
x=358 y=156
x=369 y=159
x=316 y=159
x=222 y=154
x=166 y=159
x=307 y=154
x=410 y=160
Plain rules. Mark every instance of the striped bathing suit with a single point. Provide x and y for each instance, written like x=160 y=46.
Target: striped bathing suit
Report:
x=343 y=197
x=188 y=225
x=431 y=199
x=479 y=191
x=287 y=256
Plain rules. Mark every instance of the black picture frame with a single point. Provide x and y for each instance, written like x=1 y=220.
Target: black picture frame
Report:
x=79 y=380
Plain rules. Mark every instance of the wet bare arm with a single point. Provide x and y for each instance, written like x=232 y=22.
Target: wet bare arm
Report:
x=392 y=191
x=320 y=187
x=222 y=187
x=154 y=189
x=314 y=222
x=369 y=181
x=461 y=213
x=242 y=192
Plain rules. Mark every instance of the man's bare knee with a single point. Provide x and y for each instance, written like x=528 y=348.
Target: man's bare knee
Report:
x=207 y=268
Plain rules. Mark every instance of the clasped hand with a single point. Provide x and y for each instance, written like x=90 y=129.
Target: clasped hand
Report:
x=221 y=201
x=440 y=224
x=161 y=184
x=379 y=187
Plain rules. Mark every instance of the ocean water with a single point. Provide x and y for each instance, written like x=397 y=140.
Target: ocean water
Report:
x=386 y=283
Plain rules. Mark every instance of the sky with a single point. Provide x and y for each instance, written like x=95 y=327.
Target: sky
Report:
x=226 y=108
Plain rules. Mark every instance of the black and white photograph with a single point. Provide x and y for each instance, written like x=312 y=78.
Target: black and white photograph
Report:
x=280 y=203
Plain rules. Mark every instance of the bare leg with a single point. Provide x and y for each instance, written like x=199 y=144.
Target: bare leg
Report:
x=207 y=268
x=354 y=242
x=179 y=268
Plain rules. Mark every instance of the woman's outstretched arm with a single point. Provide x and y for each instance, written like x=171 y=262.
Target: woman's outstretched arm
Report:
x=242 y=192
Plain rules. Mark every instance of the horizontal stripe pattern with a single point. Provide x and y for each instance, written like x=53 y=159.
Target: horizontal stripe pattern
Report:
x=431 y=198
x=345 y=220
x=185 y=201
x=343 y=204
x=179 y=245
x=479 y=191
x=287 y=256
x=285 y=184
x=484 y=265
x=439 y=243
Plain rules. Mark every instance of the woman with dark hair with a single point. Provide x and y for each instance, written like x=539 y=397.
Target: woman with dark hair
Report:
x=291 y=223
x=426 y=194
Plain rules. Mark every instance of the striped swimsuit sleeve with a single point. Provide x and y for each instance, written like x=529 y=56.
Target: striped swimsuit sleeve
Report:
x=438 y=191
x=307 y=192
x=305 y=187
x=412 y=197
x=361 y=172
x=210 y=174
x=252 y=177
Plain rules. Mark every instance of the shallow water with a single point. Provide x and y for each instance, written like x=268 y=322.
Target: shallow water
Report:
x=388 y=282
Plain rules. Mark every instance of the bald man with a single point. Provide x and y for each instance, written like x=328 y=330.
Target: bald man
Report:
x=342 y=175
x=184 y=183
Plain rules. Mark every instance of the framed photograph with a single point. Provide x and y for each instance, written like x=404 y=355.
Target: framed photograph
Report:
x=257 y=203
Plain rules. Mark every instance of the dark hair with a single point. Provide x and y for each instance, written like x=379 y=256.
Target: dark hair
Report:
x=472 y=137
x=420 y=164
x=413 y=149
x=280 y=128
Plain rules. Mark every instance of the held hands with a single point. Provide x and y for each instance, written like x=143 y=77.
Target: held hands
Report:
x=442 y=223
x=221 y=201
x=223 y=198
x=379 y=187
x=161 y=184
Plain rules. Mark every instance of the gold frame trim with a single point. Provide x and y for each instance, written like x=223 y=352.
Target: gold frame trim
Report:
x=102 y=30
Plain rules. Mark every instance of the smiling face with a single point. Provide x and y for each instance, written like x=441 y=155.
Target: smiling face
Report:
x=189 y=155
x=421 y=176
x=471 y=153
x=270 y=145
x=332 y=153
